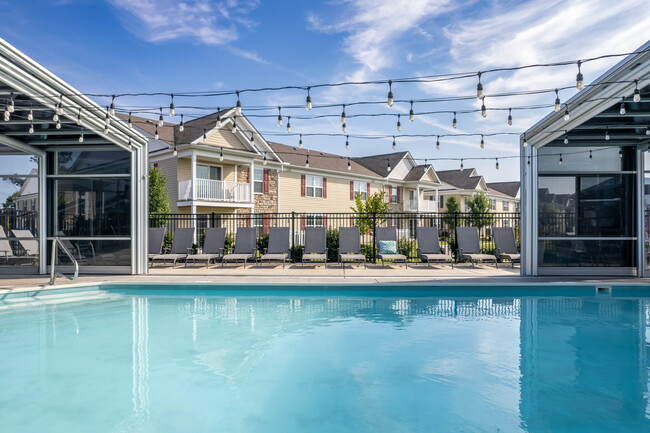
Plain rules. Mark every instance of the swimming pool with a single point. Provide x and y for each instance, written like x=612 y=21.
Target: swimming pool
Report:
x=344 y=359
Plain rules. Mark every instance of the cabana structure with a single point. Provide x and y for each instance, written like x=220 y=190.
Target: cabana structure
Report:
x=87 y=172
x=582 y=171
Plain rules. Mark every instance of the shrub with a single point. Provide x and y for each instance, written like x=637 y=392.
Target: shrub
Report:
x=262 y=242
x=367 y=251
x=229 y=242
x=408 y=247
x=332 y=245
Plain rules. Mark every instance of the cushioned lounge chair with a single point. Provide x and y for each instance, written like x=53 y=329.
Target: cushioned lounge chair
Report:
x=505 y=244
x=245 y=246
x=156 y=241
x=429 y=249
x=6 y=252
x=28 y=243
x=279 y=248
x=350 y=246
x=181 y=247
x=389 y=234
x=315 y=249
x=469 y=247
x=213 y=246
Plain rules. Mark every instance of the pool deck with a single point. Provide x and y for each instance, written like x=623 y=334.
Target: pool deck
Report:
x=296 y=274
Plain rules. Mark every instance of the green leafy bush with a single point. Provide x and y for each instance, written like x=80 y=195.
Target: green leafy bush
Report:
x=332 y=245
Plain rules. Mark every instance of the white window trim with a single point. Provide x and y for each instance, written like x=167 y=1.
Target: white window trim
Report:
x=307 y=176
x=365 y=190
x=255 y=192
x=220 y=167
x=393 y=191
x=313 y=216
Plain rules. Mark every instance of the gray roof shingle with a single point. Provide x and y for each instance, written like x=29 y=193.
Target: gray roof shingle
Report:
x=508 y=188
x=460 y=179
x=379 y=163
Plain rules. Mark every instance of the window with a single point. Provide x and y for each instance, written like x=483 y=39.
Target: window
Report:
x=506 y=223
x=441 y=202
x=314 y=186
x=506 y=206
x=516 y=206
x=493 y=204
x=393 y=194
x=361 y=188
x=208 y=172
x=258 y=181
x=314 y=220
x=257 y=219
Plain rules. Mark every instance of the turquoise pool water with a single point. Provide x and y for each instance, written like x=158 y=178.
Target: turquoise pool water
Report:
x=346 y=360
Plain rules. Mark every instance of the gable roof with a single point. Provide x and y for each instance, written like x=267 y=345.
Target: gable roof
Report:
x=165 y=132
x=325 y=161
x=194 y=128
x=379 y=163
x=466 y=179
x=416 y=173
x=508 y=188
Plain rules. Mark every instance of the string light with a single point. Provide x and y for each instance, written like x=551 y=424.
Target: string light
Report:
x=620 y=152
x=558 y=105
x=580 y=81
x=590 y=156
x=161 y=120
x=181 y=126
x=300 y=142
x=58 y=124
x=55 y=116
x=454 y=123
x=482 y=142
x=389 y=101
x=497 y=165
x=238 y=107
x=347 y=142
x=155 y=135
x=637 y=92
x=483 y=109
x=79 y=117
x=566 y=137
x=510 y=116
x=529 y=160
x=344 y=128
x=30 y=115
x=622 y=110
x=399 y=124
x=106 y=129
x=349 y=165
x=59 y=107
x=7 y=114
x=411 y=113
x=81 y=138
x=343 y=114
x=394 y=144
x=438 y=142
x=205 y=136
x=11 y=107
x=175 y=151
x=234 y=125
x=107 y=119
x=566 y=112
x=560 y=161
x=130 y=122
x=279 y=116
x=288 y=124
x=479 y=87
x=252 y=140
x=307 y=160
x=264 y=162
x=525 y=141
x=308 y=103
x=31 y=128
x=461 y=165
x=388 y=164
x=607 y=137
x=112 y=110
x=221 y=154
x=172 y=109
x=647 y=129
x=218 y=118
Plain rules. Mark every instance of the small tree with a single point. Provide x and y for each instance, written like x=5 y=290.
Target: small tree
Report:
x=158 y=201
x=479 y=208
x=453 y=207
x=375 y=204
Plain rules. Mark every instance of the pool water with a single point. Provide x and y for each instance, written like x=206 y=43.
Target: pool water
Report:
x=199 y=360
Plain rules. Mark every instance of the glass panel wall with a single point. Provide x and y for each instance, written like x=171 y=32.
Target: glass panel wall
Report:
x=19 y=213
x=89 y=198
x=586 y=207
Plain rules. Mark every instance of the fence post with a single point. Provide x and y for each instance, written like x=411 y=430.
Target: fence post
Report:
x=293 y=231
x=374 y=234
x=212 y=220
x=455 y=244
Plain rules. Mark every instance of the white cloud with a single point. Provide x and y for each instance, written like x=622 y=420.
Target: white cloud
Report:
x=206 y=22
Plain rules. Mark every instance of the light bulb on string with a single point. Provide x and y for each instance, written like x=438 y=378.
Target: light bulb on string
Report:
x=454 y=123
x=175 y=152
x=620 y=152
x=252 y=140
x=647 y=129
x=58 y=124
x=482 y=142
x=218 y=118
x=479 y=87
x=112 y=109
x=205 y=136
x=411 y=113
x=637 y=92
x=107 y=119
x=438 y=142
x=483 y=109
x=30 y=115
x=497 y=164
x=106 y=129
x=622 y=110
x=31 y=128
x=387 y=164
x=55 y=116
x=300 y=142
x=307 y=159
x=172 y=109
x=234 y=125
x=566 y=137
x=130 y=123
x=221 y=154
x=7 y=114
x=591 y=158
x=347 y=142
x=238 y=107
x=181 y=126
x=525 y=141
x=580 y=81
x=394 y=144
x=607 y=137
x=264 y=161
x=11 y=107
x=308 y=103
x=529 y=160
x=560 y=161
x=279 y=116
x=81 y=138
x=288 y=124
x=399 y=124
x=344 y=128
x=156 y=135
x=59 y=107
x=161 y=120
x=349 y=164
x=461 y=165
x=558 y=104
x=79 y=117
x=566 y=112
x=510 y=116
x=389 y=101
x=343 y=114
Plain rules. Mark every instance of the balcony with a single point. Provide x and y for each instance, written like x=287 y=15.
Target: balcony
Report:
x=425 y=206
x=215 y=191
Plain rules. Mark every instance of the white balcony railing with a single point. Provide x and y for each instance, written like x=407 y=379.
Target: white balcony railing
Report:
x=215 y=190
x=425 y=206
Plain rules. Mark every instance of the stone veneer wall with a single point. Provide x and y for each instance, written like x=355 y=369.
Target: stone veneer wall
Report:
x=268 y=203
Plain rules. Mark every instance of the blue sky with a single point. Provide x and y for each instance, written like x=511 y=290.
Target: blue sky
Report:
x=117 y=46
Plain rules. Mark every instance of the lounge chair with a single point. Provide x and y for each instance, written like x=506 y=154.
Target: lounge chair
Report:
x=245 y=246
x=213 y=246
x=505 y=244
x=279 y=248
x=315 y=249
x=181 y=247
x=385 y=236
x=6 y=252
x=429 y=248
x=156 y=241
x=28 y=243
x=350 y=246
x=469 y=247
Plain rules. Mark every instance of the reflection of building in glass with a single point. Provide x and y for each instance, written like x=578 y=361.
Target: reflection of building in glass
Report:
x=27 y=198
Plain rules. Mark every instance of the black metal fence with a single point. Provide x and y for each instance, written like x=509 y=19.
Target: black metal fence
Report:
x=12 y=219
x=406 y=224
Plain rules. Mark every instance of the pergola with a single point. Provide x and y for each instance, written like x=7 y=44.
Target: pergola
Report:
x=46 y=116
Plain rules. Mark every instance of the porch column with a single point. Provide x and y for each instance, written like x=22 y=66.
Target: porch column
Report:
x=417 y=198
x=251 y=176
x=437 y=206
x=193 y=184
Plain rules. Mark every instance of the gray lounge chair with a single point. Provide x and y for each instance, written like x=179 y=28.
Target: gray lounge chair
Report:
x=245 y=246
x=156 y=241
x=279 y=248
x=469 y=247
x=505 y=244
x=28 y=243
x=6 y=252
x=213 y=246
x=350 y=246
x=181 y=247
x=315 y=249
x=429 y=248
x=389 y=234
